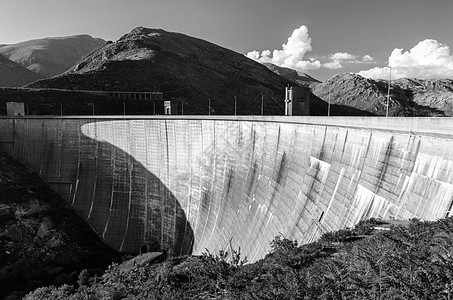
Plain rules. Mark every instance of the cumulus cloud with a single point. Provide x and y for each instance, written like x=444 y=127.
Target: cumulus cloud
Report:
x=367 y=58
x=342 y=56
x=337 y=59
x=333 y=65
x=292 y=53
x=427 y=59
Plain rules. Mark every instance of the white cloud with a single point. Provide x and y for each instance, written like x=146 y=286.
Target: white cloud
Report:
x=333 y=65
x=342 y=56
x=292 y=53
x=427 y=59
x=338 y=58
x=367 y=58
x=255 y=55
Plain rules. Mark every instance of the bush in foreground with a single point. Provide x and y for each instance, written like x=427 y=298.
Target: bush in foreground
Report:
x=404 y=262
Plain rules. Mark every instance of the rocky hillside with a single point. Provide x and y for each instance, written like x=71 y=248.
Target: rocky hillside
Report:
x=42 y=239
x=51 y=56
x=408 y=97
x=302 y=79
x=14 y=75
x=182 y=67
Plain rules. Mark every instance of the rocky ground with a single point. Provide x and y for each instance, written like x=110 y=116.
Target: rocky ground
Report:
x=42 y=239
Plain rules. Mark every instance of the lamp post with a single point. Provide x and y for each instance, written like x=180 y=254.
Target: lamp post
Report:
x=92 y=107
x=388 y=92
x=328 y=105
x=262 y=103
x=182 y=107
x=124 y=108
x=235 y=105
x=209 y=103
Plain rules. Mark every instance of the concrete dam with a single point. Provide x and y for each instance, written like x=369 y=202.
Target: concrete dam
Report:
x=186 y=184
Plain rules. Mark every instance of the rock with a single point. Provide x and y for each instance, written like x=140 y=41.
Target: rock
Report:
x=139 y=260
x=45 y=228
x=55 y=242
x=15 y=295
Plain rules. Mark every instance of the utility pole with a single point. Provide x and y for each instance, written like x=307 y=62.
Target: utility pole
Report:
x=61 y=109
x=235 y=105
x=209 y=103
x=182 y=107
x=92 y=107
x=154 y=107
x=328 y=105
x=124 y=108
x=388 y=92
x=262 y=103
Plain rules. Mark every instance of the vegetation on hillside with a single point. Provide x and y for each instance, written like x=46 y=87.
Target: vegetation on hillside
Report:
x=403 y=262
x=42 y=239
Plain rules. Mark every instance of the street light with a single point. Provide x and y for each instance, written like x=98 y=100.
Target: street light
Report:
x=209 y=103
x=262 y=103
x=388 y=92
x=328 y=105
x=92 y=106
x=235 y=105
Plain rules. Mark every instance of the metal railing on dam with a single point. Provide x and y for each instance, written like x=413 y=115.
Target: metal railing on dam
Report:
x=186 y=183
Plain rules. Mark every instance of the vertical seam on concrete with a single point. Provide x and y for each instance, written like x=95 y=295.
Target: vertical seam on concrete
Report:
x=95 y=169
x=110 y=210
x=351 y=204
x=211 y=182
x=187 y=213
x=130 y=166
x=78 y=164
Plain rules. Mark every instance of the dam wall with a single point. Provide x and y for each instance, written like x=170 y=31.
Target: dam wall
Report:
x=186 y=184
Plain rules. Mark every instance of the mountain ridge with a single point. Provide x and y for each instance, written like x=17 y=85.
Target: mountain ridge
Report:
x=184 y=68
x=51 y=56
x=408 y=97
x=14 y=75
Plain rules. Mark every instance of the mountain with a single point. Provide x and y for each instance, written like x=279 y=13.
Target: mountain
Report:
x=408 y=97
x=300 y=78
x=182 y=67
x=434 y=93
x=51 y=56
x=14 y=75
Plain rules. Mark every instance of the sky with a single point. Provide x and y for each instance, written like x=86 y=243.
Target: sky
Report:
x=319 y=37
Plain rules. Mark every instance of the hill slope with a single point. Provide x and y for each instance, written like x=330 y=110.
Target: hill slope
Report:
x=14 y=75
x=182 y=67
x=42 y=239
x=408 y=97
x=51 y=56
x=293 y=75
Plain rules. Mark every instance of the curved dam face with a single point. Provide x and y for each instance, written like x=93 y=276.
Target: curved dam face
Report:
x=186 y=184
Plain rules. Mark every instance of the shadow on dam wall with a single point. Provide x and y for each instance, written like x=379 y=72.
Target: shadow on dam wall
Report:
x=125 y=204
x=187 y=184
